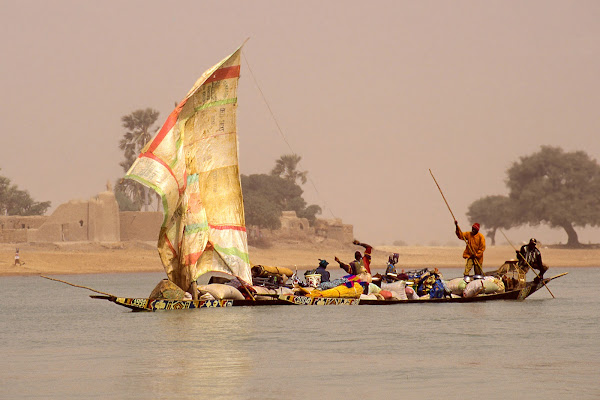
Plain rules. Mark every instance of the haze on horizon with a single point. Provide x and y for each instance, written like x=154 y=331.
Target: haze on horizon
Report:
x=371 y=95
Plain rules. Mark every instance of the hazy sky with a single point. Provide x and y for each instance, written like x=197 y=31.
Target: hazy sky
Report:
x=370 y=94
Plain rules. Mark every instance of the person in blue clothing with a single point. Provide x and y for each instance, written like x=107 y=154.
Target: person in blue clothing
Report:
x=321 y=270
x=392 y=261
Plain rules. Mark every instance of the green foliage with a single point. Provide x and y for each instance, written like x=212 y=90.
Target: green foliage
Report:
x=286 y=168
x=263 y=200
x=557 y=188
x=310 y=213
x=14 y=201
x=139 y=131
x=266 y=196
x=493 y=212
x=125 y=203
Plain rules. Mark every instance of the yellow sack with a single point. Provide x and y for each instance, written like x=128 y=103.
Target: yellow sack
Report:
x=341 y=291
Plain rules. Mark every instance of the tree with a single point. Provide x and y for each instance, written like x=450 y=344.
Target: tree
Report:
x=286 y=167
x=139 y=126
x=266 y=196
x=493 y=212
x=14 y=201
x=557 y=188
x=264 y=199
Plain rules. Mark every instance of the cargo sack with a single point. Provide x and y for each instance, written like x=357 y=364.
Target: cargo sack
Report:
x=368 y=297
x=398 y=295
x=437 y=291
x=456 y=286
x=220 y=291
x=373 y=288
x=397 y=286
x=341 y=291
x=474 y=288
x=167 y=290
x=410 y=293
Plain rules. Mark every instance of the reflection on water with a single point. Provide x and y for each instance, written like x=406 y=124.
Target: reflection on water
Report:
x=61 y=344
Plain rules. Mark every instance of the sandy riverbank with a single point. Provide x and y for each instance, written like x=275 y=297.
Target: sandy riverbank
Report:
x=127 y=257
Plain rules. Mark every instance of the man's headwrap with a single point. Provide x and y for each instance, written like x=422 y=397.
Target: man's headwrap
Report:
x=476 y=226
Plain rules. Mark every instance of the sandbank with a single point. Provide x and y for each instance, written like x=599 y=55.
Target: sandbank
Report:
x=136 y=257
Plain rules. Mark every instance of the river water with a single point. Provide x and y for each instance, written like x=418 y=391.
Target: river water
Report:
x=57 y=343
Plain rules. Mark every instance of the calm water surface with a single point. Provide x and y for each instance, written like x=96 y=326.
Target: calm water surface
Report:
x=57 y=343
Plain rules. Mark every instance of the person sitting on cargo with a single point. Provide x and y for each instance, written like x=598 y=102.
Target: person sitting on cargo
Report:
x=391 y=274
x=361 y=263
x=530 y=256
x=391 y=267
x=322 y=271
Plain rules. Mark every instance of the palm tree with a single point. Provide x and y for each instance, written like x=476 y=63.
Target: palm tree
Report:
x=139 y=125
x=286 y=166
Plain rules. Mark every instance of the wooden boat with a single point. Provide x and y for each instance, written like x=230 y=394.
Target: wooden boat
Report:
x=145 y=304
x=516 y=294
x=192 y=163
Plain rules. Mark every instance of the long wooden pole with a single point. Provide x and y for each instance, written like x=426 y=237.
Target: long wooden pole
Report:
x=455 y=221
x=78 y=286
x=529 y=265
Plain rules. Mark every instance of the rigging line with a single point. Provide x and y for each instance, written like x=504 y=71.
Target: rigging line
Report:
x=281 y=132
x=78 y=286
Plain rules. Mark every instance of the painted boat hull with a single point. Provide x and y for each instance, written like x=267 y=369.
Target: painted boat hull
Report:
x=142 y=304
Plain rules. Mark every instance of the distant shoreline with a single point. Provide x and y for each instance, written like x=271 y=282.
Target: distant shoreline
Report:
x=140 y=257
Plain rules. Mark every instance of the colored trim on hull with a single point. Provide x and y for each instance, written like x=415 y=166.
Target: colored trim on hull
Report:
x=141 y=304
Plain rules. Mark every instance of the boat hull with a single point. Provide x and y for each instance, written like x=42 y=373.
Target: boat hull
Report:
x=142 y=304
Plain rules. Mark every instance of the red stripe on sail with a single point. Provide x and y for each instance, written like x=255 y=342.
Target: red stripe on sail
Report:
x=191 y=259
x=224 y=73
x=170 y=246
x=224 y=227
x=148 y=154
x=169 y=123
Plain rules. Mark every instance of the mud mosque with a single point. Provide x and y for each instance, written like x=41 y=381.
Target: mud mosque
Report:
x=99 y=220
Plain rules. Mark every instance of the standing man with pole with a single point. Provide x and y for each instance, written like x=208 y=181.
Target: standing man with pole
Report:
x=474 y=250
x=474 y=240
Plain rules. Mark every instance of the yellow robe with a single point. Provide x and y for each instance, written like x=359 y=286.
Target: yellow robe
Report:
x=476 y=245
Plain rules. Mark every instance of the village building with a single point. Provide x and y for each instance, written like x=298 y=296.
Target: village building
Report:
x=99 y=220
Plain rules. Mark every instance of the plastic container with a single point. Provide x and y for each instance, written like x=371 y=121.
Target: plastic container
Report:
x=313 y=280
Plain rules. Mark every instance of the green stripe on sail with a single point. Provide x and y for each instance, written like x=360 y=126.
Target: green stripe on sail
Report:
x=195 y=228
x=178 y=144
x=233 y=251
x=192 y=178
x=157 y=190
x=216 y=103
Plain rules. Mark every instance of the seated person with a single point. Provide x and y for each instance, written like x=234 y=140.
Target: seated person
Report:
x=321 y=270
x=391 y=267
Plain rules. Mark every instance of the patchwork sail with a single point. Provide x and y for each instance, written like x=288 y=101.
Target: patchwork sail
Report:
x=192 y=163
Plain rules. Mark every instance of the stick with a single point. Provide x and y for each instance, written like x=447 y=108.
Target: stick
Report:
x=454 y=219
x=443 y=197
x=244 y=284
x=530 y=267
x=83 y=287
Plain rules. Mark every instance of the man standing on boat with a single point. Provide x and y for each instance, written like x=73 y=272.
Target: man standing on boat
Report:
x=530 y=256
x=474 y=250
x=361 y=263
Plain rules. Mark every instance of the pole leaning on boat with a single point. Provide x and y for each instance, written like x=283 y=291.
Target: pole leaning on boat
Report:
x=530 y=267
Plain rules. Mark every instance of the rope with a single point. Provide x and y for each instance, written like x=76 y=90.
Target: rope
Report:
x=72 y=284
x=264 y=98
